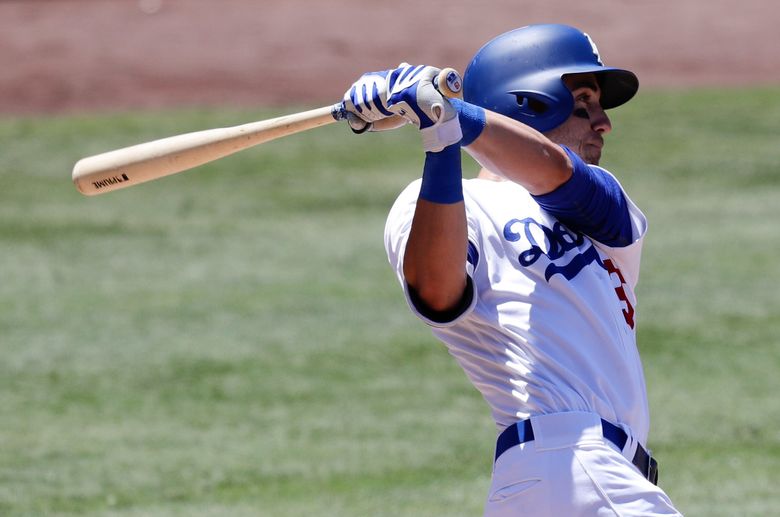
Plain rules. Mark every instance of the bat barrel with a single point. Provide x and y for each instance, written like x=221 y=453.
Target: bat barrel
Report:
x=140 y=163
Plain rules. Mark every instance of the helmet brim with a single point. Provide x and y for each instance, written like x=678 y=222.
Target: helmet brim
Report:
x=618 y=86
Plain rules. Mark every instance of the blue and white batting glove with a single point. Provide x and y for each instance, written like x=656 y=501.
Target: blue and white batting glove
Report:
x=366 y=100
x=412 y=94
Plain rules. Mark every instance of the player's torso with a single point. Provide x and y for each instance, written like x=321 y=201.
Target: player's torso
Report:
x=553 y=326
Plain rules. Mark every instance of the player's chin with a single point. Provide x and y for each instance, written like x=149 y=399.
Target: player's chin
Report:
x=591 y=154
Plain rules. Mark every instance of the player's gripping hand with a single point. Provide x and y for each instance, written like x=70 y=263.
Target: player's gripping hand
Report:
x=407 y=91
x=412 y=94
x=366 y=100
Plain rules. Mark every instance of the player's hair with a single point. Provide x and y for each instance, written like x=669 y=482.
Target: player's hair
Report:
x=520 y=74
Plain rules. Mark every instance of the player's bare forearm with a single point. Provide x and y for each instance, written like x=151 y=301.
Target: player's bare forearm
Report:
x=520 y=154
x=438 y=240
x=435 y=254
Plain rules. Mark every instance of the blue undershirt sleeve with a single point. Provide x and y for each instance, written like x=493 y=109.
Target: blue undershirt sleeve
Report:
x=591 y=202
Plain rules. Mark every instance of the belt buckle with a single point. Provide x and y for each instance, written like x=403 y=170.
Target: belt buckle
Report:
x=652 y=471
x=647 y=465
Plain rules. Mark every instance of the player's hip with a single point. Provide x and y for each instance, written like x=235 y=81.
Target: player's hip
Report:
x=568 y=467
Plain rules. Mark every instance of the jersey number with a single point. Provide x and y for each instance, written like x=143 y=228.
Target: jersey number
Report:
x=628 y=312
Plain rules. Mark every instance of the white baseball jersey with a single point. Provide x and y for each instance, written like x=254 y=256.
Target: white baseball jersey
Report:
x=551 y=326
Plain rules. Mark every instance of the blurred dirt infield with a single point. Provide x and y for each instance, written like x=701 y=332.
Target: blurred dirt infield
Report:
x=67 y=55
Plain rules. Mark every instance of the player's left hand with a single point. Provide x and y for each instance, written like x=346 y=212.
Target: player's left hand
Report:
x=366 y=100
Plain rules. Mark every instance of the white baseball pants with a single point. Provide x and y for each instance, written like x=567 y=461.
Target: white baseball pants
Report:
x=569 y=469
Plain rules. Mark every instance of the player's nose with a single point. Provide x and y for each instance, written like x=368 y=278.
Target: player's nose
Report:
x=599 y=121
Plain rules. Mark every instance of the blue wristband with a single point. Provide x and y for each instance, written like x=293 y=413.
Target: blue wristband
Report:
x=471 y=118
x=442 y=180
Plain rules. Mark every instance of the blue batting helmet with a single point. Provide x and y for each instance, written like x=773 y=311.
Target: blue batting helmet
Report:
x=520 y=74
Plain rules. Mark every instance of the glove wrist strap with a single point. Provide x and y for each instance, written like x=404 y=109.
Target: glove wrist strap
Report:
x=441 y=134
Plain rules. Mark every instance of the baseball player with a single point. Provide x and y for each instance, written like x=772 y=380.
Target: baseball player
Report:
x=527 y=272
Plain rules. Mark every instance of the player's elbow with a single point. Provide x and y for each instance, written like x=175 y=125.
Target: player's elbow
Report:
x=438 y=295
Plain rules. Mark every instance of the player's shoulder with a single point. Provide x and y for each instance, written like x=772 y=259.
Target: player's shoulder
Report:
x=604 y=171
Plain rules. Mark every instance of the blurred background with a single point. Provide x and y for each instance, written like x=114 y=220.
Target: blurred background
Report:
x=65 y=54
x=231 y=341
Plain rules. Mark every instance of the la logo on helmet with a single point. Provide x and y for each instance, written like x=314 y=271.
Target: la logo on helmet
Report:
x=595 y=49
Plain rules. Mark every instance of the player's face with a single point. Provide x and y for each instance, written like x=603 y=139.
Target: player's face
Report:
x=584 y=130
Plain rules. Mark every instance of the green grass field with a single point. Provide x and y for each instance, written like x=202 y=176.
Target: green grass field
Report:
x=231 y=341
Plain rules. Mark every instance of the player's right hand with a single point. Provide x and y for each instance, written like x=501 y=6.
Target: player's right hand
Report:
x=413 y=95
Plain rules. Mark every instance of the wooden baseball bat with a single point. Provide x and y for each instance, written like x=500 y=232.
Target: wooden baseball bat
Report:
x=129 y=166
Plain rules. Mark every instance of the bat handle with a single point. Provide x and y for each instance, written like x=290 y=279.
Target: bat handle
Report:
x=338 y=111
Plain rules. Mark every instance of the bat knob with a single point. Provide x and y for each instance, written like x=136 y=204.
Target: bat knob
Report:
x=449 y=83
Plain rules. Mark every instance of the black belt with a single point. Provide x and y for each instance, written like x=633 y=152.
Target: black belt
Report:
x=522 y=432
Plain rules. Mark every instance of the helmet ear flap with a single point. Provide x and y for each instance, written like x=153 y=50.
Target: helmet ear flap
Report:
x=531 y=106
x=541 y=110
